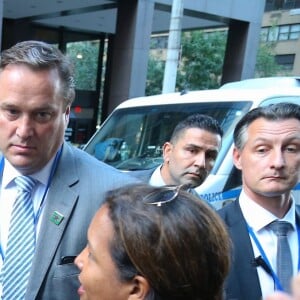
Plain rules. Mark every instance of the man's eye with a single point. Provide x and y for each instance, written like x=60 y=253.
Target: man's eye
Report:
x=12 y=111
x=43 y=116
x=261 y=150
x=191 y=150
x=291 y=149
x=11 y=114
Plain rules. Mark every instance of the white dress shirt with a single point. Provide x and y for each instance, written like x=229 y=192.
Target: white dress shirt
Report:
x=156 y=179
x=8 y=193
x=258 y=218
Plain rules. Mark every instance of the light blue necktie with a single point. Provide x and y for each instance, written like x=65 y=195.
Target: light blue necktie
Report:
x=20 y=244
x=284 y=257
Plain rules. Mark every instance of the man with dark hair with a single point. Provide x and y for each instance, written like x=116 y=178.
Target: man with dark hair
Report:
x=190 y=154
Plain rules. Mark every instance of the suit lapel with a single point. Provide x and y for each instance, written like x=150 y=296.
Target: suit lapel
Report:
x=244 y=273
x=61 y=199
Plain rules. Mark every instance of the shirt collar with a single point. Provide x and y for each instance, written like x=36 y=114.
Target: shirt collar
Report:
x=156 y=178
x=10 y=173
x=257 y=217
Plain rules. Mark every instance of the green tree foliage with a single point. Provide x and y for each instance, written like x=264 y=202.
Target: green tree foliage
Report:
x=201 y=60
x=85 y=58
x=200 y=65
x=265 y=61
x=155 y=76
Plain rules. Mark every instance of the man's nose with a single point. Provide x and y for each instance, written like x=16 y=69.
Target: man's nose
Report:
x=24 y=128
x=277 y=159
x=200 y=160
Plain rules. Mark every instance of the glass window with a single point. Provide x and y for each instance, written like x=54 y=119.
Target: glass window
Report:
x=289 y=4
x=286 y=61
x=85 y=57
x=295 y=32
x=140 y=132
x=283 y=33
x=264 y=34
x=273 y=34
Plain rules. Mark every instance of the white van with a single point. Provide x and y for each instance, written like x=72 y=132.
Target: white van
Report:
x=131 y=138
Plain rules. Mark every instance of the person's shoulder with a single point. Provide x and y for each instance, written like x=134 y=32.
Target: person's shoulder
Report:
x=227 y=207
x=137 y=173
x=79 y=154
x=84 y=160
x=143 y=175
x=228 y=211
x=93 y=163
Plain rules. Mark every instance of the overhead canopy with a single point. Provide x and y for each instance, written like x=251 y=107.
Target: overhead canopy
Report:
x=101 y=15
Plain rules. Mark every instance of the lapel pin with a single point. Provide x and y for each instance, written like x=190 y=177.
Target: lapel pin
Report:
x=56 y=218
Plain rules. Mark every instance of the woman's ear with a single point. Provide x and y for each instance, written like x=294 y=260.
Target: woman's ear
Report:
x=140 y=288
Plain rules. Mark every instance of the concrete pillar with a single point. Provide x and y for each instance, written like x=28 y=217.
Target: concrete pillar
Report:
x=170 y=74
x=1 y=18
x=130 y=51
x=241 y=50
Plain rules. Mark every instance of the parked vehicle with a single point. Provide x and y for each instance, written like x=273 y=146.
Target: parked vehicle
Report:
x=131 y=138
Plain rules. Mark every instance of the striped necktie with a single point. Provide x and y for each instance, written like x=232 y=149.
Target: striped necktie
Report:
x=20 y=244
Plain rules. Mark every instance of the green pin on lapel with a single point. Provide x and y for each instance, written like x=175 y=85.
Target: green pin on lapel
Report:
x=56 y=218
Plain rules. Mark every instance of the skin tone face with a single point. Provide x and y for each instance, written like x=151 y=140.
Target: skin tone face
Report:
x=191 y=158
x=98 y=274
x=270 y=163
x=33 y=117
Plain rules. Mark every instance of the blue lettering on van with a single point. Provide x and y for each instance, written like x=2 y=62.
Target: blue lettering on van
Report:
x=212 y=197
x=229 y=195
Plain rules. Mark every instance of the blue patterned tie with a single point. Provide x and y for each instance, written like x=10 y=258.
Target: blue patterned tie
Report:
x=20 y=244
x=284 y=257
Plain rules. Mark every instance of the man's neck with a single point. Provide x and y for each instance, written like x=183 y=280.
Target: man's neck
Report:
x=278 y=205
x=165 y=174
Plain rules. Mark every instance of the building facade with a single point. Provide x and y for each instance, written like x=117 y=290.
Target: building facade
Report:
x=281 y=26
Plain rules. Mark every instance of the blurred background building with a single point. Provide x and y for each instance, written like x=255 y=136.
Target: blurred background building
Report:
x=281 y=26
x=109 y=41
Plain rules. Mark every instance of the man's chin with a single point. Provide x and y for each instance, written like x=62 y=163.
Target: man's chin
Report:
x=25 y=166
x=275 y=193
x=193 y=184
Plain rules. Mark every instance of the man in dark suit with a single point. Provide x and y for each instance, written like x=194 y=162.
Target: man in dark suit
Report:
x=190 y=154
x=267 y=151
x=36 y=92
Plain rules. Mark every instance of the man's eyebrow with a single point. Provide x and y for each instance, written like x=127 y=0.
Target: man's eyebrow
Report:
x=294 y=136
x=193 y=145
x=201 y=147
x=7 y=105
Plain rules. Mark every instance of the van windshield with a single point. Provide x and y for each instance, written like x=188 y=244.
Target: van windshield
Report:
x=132 y=138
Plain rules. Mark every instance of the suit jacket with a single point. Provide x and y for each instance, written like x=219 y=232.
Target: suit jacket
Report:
x=77 y=190
x=242 y=282
x=143 y=175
